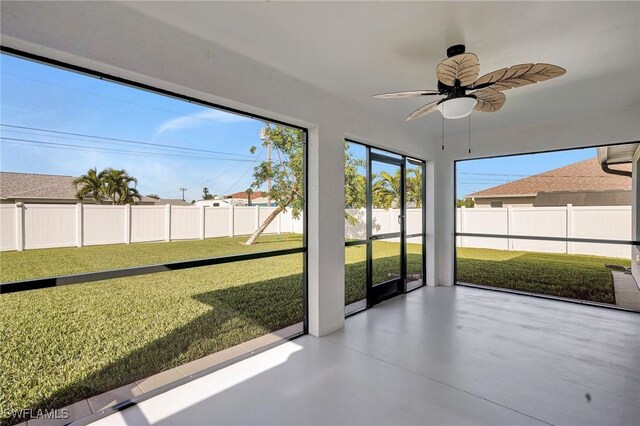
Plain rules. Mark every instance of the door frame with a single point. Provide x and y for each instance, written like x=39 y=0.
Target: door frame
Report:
x=359 y=306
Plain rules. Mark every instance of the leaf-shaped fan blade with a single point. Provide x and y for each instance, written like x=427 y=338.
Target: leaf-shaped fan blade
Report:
x=408 y=94
x=424 y=110
x=464 y=67
x=518 y=75
x=489 y=100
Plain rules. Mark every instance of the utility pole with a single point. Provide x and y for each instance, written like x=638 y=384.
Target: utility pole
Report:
x=183 y=189
x=263 y=137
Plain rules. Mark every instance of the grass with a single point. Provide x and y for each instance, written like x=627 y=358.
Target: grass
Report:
x=573 y=276
x=63 y=344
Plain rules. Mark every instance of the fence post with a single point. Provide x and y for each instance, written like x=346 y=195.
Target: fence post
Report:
x=79 y=225
x=257 y=218
x=127 y=223
x=19 y=226
x=167 y=222
x=569 y=232
x=231 y=220
x=509 y=227
x=463 y=224
x=202 y=222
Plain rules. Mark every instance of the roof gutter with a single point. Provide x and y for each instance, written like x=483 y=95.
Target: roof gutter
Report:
x=605 y=163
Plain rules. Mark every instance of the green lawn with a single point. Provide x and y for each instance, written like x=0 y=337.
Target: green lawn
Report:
x=574 y=276
x=63 y=344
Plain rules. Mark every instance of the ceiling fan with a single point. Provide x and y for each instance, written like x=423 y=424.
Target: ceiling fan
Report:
x=458 y=74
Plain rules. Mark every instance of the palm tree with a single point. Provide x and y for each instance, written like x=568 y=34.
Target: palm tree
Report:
x=90 y=185
x=249 y=191
x=116 y=186
x=414 y=187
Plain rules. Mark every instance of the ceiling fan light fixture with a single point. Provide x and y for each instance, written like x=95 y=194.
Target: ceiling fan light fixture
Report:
x=457 y=107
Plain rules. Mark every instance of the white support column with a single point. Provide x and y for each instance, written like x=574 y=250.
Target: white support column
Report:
x=509 y=227
x=570 y=246
x=19 y=226
x=202 y=229
x=325 y=230
x=167 y=222
x=635 y=229
x=443 y=243
x=79 y=225
x=127 y=223
x=257 y=218
x=231 y=220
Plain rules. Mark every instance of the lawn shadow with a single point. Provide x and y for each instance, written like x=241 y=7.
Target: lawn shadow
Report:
x=237 y=314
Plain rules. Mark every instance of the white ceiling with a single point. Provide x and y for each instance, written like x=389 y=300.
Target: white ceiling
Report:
x=356 y=49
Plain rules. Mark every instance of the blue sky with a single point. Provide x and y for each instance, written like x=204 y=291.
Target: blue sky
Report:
x=205 y=147
x=43 y=97
x=475 y=175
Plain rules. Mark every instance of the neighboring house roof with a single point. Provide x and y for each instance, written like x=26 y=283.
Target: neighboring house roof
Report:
x=583 y=176
x=39 y=186
x=256 y=194
x=31 y=185
x=172 y=201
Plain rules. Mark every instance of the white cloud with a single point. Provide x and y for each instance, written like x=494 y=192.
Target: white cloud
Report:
x=198 y=119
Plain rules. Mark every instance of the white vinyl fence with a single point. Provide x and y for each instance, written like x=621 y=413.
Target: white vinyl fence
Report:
x=611 y=223
x=601 y=222
x=34 y=226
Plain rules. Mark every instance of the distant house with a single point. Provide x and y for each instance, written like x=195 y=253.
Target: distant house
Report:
x=258 y=198
x=52 y=189
x=581 y=184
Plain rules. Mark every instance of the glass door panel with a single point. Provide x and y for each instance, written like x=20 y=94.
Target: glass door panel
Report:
x=415 y=218
x=385 y=227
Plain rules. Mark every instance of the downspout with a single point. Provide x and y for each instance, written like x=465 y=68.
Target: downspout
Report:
x=605 y=168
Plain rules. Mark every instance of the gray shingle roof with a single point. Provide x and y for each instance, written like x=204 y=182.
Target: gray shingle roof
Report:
x=32 y=185
x=583 y=176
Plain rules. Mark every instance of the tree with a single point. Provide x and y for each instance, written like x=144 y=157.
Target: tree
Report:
x=205 y=194
x=387 y=188
x=465 y=202
x=355 y=194
x=154 y=196
x=90 y=185
x=414 y=186
x=249 y=191
x=286 y=174
x=116 y=184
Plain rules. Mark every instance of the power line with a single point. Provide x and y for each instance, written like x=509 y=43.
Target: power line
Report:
x=244 y=174
x=73 y=147
x=122 y=140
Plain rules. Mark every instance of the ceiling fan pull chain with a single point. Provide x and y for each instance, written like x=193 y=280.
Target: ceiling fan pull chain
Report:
x=469 y=133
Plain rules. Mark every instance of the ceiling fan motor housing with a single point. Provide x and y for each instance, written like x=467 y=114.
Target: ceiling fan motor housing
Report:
x=456 y=49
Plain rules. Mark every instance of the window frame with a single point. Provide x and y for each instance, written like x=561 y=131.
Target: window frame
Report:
x=457 y=234
x=39 y=283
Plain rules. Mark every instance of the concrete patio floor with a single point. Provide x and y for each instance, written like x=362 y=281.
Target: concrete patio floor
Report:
x=435 y=356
